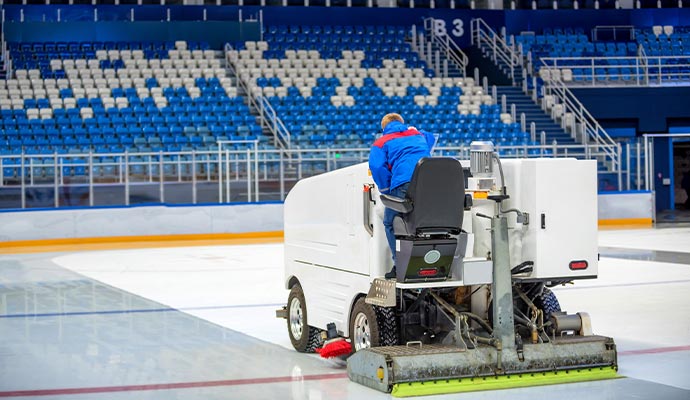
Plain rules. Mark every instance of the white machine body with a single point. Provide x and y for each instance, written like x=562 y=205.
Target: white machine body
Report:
x=335 y=258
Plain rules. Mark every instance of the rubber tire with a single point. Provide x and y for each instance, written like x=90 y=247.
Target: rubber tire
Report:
x=548 y=303
x=310 y=339
x=388 y=326
x=361 y=307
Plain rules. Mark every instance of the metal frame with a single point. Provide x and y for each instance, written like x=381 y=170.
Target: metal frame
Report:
x=245 y=170
x=648 y=70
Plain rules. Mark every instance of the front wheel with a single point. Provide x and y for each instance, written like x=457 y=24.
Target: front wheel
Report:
x=304 y=338
x=372 y=326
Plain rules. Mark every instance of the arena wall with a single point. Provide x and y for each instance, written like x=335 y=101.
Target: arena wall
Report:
x=171 y=221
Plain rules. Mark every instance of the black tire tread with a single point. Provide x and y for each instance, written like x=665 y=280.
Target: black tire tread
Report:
x=314 y=340
x=548 y=303
x=388 y=326
x=313 y=335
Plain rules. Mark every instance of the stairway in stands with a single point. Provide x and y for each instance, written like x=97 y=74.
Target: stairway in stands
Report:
x=453 y=70
x=505 y=68
x=533 y=113
x=3 y=62
x=523 y=102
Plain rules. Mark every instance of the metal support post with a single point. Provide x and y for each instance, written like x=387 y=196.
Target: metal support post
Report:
x=421 y=43
x=428 y=53
x=282 y=177
x=56 y=188
x=227 y=175
x=220 y=174
x=194 y=176
x=620 y=168
x=437 y=59
x=650 y=155
x=23 y=185
x=161 y=180
x=256 y=170
x=533 y=131
x=126 y=178
x=90 y=178
x=637 y=175
x=646 y=163
x=249 y=175
x=627 y=166
x=501 y=289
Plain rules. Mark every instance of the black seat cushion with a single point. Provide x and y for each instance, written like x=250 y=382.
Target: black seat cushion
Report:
x=437 y=194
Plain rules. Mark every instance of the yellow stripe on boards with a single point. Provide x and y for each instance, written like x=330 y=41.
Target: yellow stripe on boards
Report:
x=626 y=223
x=132 y=242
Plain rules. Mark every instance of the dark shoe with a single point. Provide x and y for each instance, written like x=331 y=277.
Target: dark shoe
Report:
x=391 y=275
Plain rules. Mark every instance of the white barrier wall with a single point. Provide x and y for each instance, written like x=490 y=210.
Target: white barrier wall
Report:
x=614 y=207
x=140 y=221
x=626 y=207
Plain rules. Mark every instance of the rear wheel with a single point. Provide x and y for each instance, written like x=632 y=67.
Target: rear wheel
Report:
x=548 y=303
x=304 y=338
x=372 y=326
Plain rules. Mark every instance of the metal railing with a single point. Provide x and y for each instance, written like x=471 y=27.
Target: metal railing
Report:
x=613 y=30
x=583 y=127
x=488 y=40
x=587 y=129
x=625 y=71
x=7 y=63
x=449 y=49
x=223 y=175
x=269 y=118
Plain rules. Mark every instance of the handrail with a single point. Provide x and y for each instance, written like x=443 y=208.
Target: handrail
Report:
x=648 y=70
x=482 y=34
x=592 y=131
x=614 y=29
x=226 y=166
x=644 y=63
x=7 y=65
x=275 y=124
x=450 y=49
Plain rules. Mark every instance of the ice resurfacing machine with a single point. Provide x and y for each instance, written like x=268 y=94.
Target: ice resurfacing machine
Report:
x=478 y=245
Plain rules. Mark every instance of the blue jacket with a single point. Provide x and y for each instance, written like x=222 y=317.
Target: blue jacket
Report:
x=394 y=155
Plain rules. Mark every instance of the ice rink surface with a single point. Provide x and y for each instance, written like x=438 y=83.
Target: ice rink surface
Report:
x=199 y=323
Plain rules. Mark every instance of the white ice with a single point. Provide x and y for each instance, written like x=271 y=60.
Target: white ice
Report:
x=643 y=305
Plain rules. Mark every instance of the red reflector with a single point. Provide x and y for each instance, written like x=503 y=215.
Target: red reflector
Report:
x=428 y=272
x=578 y=265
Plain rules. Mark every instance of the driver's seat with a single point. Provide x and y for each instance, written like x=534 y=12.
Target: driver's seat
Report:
x=432 y=215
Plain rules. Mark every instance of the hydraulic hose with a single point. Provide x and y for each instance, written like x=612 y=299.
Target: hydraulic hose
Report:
x=479 y=320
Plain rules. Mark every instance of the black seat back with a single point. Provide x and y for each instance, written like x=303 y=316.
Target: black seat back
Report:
x=437 y=192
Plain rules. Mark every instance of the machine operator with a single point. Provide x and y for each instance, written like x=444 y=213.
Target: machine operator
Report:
x=392 y=161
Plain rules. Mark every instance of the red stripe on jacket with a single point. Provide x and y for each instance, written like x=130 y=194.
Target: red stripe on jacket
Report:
x=385 y=138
